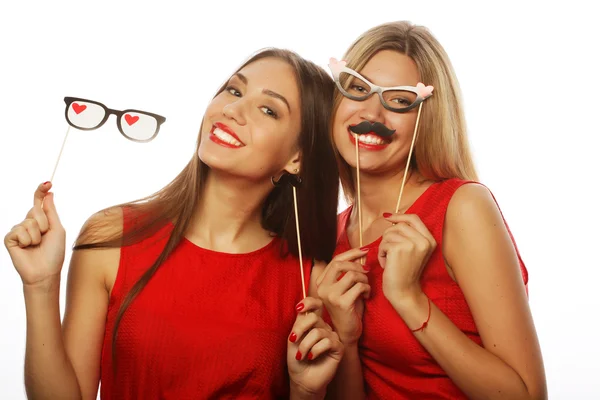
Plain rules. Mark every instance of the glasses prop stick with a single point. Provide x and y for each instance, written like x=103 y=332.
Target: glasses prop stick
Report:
x=86 y=115
x=424 y=93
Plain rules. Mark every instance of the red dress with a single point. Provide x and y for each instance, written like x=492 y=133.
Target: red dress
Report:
x=208 y=325
x=395 y=365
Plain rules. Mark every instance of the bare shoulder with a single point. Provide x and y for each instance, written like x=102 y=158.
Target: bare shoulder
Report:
x=471 y=207
x=473 y=223
x=102 y=226
x=471 y=200
x=474 y=226
x=97 y=248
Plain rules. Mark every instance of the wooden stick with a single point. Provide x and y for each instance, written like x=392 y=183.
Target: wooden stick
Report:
x=409 y=156
x=360 y=226
x=299 y=242
x=60 y=154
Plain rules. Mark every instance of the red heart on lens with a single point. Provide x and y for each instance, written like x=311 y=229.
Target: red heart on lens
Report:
x=131 y=120
x=78 y=108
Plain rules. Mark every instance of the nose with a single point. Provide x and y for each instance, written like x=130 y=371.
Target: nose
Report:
x=372 y=109
x=235 y=111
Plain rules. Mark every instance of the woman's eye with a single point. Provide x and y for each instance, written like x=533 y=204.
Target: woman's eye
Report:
x=402 y=101
x=269 y=112
x=232 y=90
x=358 y=88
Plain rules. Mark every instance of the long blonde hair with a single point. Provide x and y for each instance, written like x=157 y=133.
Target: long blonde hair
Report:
x=442 y=148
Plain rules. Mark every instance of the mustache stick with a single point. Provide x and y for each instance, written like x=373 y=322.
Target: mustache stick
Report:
x=365 y=127
x=362 y=128
x=412 y=144
x=360 y=228
x=294 y=181
x=299 y=242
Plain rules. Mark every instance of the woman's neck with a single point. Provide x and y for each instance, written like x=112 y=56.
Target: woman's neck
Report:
x=379 y=194
x=228 y=215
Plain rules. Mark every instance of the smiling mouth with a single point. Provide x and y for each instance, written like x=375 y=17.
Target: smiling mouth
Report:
x=223 y=135
x=369 y=141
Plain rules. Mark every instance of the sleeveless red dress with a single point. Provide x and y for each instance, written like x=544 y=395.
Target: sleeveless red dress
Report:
x=395 y=365
x=208 y=325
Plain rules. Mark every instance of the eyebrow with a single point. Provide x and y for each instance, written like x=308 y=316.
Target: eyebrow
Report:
x=277 y=96
x=242 y=77
x=366 y=77
x=371 y=81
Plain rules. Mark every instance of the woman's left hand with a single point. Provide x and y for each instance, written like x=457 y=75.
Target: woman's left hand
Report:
x=314 y=352
x=403 y=253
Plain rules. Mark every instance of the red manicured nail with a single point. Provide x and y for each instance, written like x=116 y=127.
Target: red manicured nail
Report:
x=298 y=355
x=293 y=337
x=300 y=307
x=387 y=215
x=310 y=356
x=364 y=249
x=45 y=183
x=366 y=268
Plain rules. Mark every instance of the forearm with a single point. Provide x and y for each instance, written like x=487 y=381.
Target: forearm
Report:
x=48 y=371
x=476 y=371
x=348 y=382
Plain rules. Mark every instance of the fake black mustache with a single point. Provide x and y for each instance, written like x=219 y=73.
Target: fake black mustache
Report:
x=287 y=179
x=376 y=127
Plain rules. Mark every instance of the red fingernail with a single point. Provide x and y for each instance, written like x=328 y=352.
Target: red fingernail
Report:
x=298 y=355
x=364 y=249
x=341 y=276
x=366 y=268
x=387 y=215
x=310 y=356
x=300 y=307
x=293 y=337
x=45 y=183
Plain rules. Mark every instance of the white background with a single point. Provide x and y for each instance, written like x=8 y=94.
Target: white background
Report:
x=529 y=74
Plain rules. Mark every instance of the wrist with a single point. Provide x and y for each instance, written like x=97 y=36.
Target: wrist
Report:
x=349 y=342
x=298 y=392
x=412 y=307
x=48 y=285
x=350 y=348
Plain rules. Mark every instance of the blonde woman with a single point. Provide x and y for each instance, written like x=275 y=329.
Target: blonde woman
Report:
x=439 y=309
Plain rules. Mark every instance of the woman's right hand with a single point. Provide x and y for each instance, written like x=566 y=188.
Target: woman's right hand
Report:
x=37 y=245
x=342 y=287
x=314 y=352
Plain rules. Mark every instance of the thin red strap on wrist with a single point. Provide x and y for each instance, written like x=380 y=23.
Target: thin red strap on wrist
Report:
x=427 y=320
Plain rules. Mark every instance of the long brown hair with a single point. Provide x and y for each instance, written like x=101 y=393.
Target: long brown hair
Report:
x=442 y=149
x=176 y=202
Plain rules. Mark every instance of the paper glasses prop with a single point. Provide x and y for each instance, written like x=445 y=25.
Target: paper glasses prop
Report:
x=398 y=99
x=86 y=115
